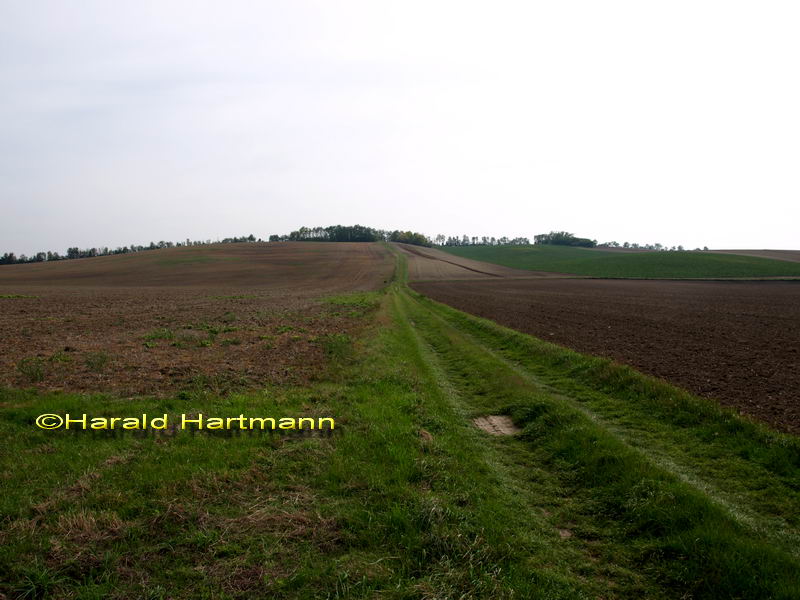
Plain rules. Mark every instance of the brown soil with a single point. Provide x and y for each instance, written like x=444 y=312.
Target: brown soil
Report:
x=496 y=425
x=736 y=342
x=238 y=315
x=299 y=267
x=790 y=255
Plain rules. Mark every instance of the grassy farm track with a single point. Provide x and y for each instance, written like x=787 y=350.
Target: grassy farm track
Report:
x=658 y=482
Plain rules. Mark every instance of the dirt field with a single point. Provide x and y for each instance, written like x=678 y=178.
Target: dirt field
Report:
x=737 y=342
x=790 y=255
x=429 y=264
x=299 y=267
x=219 y=317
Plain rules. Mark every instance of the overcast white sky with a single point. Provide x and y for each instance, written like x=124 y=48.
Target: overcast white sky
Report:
x=674 y=122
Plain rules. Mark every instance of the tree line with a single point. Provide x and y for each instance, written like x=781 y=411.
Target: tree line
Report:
x=555 y=238
x=352 y=233
x=9 y=258
x=360 y=233
x=656 y=247
x=563 y=238
x=466 y=240
x=343 y=233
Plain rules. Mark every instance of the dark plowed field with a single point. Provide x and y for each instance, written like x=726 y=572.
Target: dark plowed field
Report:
x=736 y=342
x=222 y=317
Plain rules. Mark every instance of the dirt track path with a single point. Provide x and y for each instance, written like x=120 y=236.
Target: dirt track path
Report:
x=430 y=264
x=789 y=255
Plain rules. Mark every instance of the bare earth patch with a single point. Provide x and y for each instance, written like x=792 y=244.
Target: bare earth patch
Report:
x=790 y=255
x=497 y=425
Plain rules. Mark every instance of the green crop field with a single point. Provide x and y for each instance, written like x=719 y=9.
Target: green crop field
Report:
x=600 y=263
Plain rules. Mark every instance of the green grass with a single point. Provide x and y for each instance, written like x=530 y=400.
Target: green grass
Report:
x=619 y=486
x=159 y=334
x=355 y=304
x=12 y=296
x=373 y=509
x=599 y=263
x=336 y=345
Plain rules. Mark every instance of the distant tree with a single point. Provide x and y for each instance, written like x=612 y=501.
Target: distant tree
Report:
x=409 y=237
x=563 y=238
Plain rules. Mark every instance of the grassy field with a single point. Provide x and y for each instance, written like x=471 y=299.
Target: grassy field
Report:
x=618 y=486
x=599 y=263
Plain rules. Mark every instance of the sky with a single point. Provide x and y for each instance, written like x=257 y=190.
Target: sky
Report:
x=672 y=122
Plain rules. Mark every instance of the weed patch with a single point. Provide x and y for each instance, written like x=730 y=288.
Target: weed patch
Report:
x=159 y=334
x=97 y=361
x=32 y=368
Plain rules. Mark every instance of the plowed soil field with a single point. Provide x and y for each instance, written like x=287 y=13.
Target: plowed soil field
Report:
x=735 y=342
x=217 y=317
